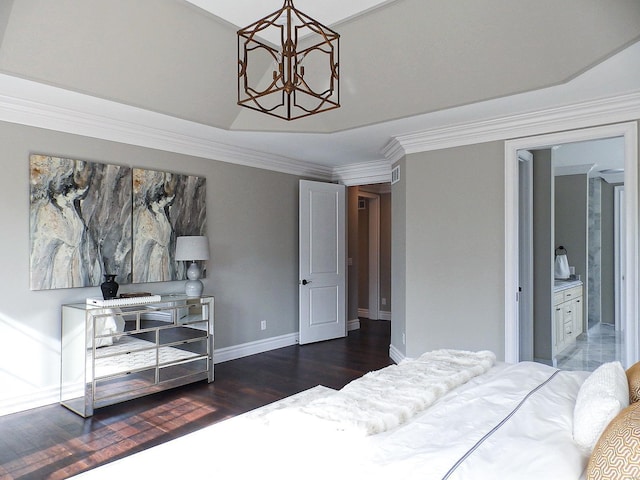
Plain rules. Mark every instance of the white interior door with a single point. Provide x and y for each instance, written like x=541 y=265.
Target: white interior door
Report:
x=322 y=261
x=525 y=257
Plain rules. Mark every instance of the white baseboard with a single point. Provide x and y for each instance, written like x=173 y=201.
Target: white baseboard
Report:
x=251 y=348
x=41 y=398
x=51 y=395
x=395 y=354
x=382 y=314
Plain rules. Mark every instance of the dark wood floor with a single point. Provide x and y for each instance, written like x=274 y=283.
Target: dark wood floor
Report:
x=53 y=443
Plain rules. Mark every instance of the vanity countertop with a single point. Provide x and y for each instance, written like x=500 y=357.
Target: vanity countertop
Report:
x=559 y=285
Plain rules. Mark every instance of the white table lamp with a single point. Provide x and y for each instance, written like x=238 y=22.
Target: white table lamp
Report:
x=191 y=249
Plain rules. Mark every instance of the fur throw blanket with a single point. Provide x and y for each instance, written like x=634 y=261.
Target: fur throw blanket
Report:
x=384 y=399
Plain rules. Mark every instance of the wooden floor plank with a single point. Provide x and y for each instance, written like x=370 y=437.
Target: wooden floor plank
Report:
x=53 y=443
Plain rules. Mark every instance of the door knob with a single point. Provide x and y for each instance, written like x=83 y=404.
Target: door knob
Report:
x=304 y=282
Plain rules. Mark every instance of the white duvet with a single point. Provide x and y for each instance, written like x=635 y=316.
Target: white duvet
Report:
x=513 y=422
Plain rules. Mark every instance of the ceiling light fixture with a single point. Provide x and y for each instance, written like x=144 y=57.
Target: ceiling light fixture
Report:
x=304 y=79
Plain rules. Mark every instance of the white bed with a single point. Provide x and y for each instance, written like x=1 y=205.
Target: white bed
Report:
x=512 y=422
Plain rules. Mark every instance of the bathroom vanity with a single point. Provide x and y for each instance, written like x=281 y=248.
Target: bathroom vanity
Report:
x=567 y=313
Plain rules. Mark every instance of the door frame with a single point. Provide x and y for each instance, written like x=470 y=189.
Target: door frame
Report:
x=525 y=265
x=629 y=131
x=619 y=254
x=374 y=253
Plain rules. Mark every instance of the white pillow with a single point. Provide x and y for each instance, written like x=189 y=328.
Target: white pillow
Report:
x=600 y=398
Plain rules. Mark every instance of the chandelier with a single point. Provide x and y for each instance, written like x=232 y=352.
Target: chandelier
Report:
x=302 y=72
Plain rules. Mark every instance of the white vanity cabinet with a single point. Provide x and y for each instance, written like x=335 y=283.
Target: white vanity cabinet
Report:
x=115 y=353
x=567 y=317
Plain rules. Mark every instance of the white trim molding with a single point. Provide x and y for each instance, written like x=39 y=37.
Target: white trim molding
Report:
x=629 y=131
x=34 y=104
x=395 y=354
x=363 y=173
x=251 y=348
x=622 y=108
x=26 y=102
x=353 y=324
x=573 y=170
x=40 y=398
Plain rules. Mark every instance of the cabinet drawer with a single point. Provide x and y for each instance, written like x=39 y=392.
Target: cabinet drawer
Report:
x=183 y=369
x=568 y=328
x=121 y=344
x=558 y=298
x=124 y=384
x=168 y=336
x=187 y=350
x=571 y=293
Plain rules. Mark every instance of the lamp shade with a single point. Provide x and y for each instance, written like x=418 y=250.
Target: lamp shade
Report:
x=192 y=248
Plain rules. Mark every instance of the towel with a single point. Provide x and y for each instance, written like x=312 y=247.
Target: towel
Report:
x=562 y=267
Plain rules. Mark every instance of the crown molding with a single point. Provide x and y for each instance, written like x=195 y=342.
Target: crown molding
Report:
x=34 y=104
x=612 y=177
x=394 y=150
x=573 y=170
x=363 y=173
x=616 y=109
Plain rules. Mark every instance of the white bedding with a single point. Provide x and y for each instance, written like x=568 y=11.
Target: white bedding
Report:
x=513 y=422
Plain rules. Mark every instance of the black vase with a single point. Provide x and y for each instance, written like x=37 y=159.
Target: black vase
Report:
x=109 y=287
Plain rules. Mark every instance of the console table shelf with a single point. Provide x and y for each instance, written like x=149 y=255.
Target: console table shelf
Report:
x=113 y=354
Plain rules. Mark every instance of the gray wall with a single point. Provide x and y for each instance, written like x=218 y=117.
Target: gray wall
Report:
x=571 y=216
x=571 y=196
x=252 y=218
x=454 y=222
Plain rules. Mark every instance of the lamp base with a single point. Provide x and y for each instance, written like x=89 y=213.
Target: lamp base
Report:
x=193 y=288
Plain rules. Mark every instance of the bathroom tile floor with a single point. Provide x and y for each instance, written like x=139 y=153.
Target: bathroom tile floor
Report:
x=600 y=345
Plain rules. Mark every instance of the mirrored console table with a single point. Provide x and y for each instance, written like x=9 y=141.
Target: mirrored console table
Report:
x=115 y=353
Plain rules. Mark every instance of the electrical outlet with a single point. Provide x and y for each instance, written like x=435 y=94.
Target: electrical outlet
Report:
x=404 y=339
x=263 y=325
x=384 y=301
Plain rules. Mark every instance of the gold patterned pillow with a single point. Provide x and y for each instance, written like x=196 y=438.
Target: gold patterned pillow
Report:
x=616 y=456
x=633 y=377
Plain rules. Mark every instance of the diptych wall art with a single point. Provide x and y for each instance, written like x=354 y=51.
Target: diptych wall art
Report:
x=80 y=222
x=89 y=219
x=165 y=206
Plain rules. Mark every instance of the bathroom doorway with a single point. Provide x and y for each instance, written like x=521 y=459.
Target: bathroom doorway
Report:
x=600 y=182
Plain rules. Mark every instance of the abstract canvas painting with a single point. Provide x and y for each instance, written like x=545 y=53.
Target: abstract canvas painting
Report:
x=165 y=206
x=80 y=222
